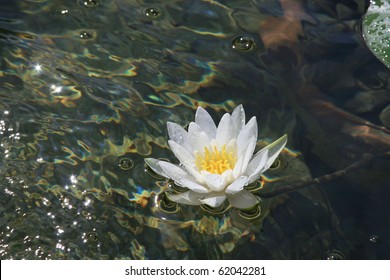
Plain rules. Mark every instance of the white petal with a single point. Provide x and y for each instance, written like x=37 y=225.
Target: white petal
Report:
x=173 y=171
x=179 y=135
x=202 y=141
x=249 y=130
x=228 y=177
x=182 y=154
x=242 y=200
x=192 y=185
x=248 y=153
x=274 y=150
x=194 y=128
x=205 y=122
x=244 y=157
x=189 y=198
x=259 y=159
x=215 y=182
x=232 y=146
x=225 y=131
x=194 y=173
x=153 y=164
x=198 y=137
x=214 y=200
x=238 y=119
x=256 y=166
x=237 y=185
x=238 y=166
x=178 y=174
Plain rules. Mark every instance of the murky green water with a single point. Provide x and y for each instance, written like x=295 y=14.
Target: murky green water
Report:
x=86 y=89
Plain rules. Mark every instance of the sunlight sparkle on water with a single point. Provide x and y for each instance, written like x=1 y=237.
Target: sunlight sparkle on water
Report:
x=87 y=202
x=55 y=89
x=60 y=231
x=73 y=179
x=38 y=67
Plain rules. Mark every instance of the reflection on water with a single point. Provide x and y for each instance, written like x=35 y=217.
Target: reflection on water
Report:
x=88 y=86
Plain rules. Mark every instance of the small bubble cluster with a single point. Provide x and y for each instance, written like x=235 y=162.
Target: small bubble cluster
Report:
x=85 y=35
x=90 y=3
x=374 y=238
x=61 y=13
x=152 y=13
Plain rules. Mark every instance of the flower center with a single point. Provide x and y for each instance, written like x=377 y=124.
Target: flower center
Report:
x=215 y=161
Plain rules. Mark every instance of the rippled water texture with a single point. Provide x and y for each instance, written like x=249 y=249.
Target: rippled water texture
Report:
x=86 y=89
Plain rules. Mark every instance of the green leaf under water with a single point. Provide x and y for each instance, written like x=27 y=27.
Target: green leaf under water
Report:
x=376 y=29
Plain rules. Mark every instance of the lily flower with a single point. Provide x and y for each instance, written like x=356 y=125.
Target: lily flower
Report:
x=216 y=163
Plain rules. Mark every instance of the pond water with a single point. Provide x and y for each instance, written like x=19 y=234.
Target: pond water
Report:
x=86 y=89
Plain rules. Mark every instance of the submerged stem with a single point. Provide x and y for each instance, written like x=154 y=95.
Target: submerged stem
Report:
x=325 y=178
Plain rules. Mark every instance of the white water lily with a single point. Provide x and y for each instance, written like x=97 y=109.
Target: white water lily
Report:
x=216 y=163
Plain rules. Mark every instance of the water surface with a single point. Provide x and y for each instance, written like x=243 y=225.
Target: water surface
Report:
x=87 y=87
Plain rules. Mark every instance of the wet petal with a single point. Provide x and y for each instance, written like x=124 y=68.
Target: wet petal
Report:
x=256 y=165
x=274 y=150
x=242 y=200
x=189 y=198
x=214 y=200
x=179 y=135
x=232 y=146
x=248 y=153
x=182 y=154
x=225 y=131
x=244 y=158
x=153 y=164
x=215 y=182
x=194 y=173
x=249 y=130
x=205 y=122
x=202 y=141
x=192 y=185
x=183 y=177
x=237 y=185
x=227 y=177
x=238 y=119
x=173 y=171
x=194 y=128
x=198 y=137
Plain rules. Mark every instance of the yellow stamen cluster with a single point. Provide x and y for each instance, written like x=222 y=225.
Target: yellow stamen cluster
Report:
x=215 y=161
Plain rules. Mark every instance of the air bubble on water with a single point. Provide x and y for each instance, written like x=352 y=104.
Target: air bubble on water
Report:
x=85 y=35
x=335 y=255
x=126 y=163
x=152 y=13
x=90 y=3
x=374 y=238
x=243 y=43
x=61 y=12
